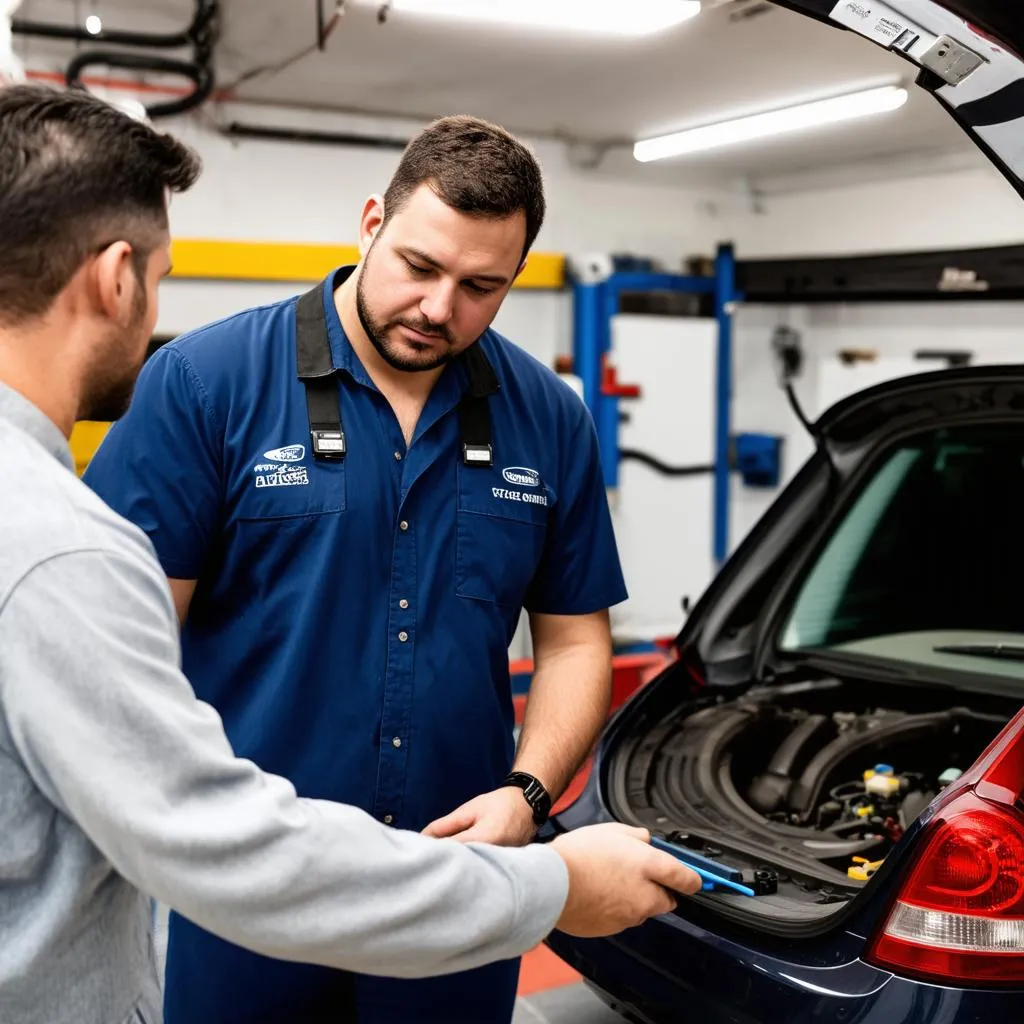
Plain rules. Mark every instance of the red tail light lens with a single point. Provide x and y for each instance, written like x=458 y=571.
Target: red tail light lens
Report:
x=960 y=916
x=976 y=866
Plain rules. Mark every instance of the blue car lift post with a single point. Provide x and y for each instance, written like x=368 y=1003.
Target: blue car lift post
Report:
x=594 y=305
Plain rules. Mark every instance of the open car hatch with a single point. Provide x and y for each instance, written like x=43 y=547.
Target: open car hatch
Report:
x=964 y=52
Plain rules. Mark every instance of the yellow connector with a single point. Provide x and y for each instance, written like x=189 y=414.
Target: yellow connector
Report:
x=865 y=812
x=864 y=870
x=869 y=774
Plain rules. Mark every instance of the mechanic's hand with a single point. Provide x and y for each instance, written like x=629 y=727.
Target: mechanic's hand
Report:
x=502 y=817
x=617 y=880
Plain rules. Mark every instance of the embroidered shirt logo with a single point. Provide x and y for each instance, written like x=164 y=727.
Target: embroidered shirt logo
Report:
x=282 y=471
x=289 y=453
x=521 y=477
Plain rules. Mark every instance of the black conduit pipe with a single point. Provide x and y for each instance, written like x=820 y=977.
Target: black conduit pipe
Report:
x=201 y=35
x=200 y=75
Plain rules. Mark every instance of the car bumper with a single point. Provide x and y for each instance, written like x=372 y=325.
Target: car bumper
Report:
x=672 y=971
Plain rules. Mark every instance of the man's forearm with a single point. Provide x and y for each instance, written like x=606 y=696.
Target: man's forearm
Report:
x=570 y=696
x=111 y=734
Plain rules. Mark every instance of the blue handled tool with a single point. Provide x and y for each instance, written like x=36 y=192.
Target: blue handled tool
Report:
x=712 y=875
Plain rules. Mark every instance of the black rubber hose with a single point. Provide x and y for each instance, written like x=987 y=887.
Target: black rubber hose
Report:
x=74 y=33
x=769 y=790
x=798 y=411
x=204 y=13
x=201 y=35
x=658 y=466
x=789 y=749
x=200 y=75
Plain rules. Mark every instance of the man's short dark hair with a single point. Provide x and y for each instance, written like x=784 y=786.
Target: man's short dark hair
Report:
x=76 y=175
x=474 y=167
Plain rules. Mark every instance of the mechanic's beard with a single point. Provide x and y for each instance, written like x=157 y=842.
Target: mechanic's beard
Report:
x=389 y=351
x=113 y=384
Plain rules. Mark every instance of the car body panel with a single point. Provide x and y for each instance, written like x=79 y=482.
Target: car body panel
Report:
x=716 y=982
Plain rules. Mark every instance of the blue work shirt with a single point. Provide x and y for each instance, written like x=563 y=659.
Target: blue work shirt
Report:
x=352 y=619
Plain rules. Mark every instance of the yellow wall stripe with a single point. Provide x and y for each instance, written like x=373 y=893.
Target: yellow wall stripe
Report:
x=210 y=259
x=85 y=439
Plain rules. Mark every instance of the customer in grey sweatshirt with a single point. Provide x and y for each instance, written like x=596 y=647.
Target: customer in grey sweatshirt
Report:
x=114 y=780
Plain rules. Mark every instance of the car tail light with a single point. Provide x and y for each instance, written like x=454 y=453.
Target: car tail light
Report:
x=959 y=916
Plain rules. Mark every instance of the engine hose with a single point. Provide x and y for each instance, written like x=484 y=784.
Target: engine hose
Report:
x=769 y=790
x=804 y=794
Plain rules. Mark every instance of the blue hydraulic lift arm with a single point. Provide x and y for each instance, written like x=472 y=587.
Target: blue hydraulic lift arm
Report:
x=595 y=303
x=725 y=305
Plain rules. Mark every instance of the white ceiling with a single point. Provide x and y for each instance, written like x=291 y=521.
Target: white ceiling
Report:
x=598 y=90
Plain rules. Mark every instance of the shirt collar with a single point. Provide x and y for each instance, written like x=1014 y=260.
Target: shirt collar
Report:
x=343 y=356
x=31 y=420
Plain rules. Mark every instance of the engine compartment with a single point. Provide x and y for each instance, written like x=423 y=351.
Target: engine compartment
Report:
x=805 y=787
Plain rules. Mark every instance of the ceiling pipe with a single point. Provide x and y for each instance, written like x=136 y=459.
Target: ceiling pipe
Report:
x=201 y=35
x=238 y=130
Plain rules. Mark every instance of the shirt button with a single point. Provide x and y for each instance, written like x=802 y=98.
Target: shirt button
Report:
x=388 y=819
x=403 y=603
x=403 y=636
x=398 y=456
x=396 y=742
x=403 y=525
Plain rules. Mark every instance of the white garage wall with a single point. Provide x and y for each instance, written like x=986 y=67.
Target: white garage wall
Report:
x=663 y=525
x=993 y=331
x=960 y=209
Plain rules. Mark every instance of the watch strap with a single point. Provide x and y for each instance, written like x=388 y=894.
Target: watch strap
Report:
x=536 y=795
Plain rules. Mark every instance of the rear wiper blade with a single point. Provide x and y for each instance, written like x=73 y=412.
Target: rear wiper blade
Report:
x=1008 y=652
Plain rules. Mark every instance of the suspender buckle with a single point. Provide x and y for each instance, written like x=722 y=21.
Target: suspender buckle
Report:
x=476 y=454
x=329 y=444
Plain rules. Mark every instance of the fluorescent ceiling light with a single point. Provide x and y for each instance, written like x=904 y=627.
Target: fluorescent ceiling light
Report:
x=637 y=18
x=774 y=122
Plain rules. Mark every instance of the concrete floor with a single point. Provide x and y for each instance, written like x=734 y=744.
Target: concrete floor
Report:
x=570 y=1004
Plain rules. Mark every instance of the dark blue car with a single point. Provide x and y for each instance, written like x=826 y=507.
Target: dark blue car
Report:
x=841 y=729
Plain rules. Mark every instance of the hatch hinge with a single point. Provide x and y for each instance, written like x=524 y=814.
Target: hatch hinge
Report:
x=951 y=60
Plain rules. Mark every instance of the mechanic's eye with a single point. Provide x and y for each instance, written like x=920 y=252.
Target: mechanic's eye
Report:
x=415 y=269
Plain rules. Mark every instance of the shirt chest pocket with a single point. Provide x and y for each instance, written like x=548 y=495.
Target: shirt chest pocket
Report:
x=287 y=489
x=500 y=535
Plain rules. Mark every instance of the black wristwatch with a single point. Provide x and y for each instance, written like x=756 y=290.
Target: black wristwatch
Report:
x=536 y=795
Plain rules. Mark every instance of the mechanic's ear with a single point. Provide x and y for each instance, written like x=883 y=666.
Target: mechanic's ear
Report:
x=114 y=282
x=370 y=223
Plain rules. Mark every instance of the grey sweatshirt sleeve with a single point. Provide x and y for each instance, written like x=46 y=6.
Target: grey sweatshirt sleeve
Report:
x=112 y=733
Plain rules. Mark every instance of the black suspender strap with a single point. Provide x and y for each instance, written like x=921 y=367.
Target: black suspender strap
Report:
x=316 y=371
x=474 y=415
x=323 y=396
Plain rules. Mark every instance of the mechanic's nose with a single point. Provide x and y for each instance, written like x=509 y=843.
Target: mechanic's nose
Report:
x=438 y=304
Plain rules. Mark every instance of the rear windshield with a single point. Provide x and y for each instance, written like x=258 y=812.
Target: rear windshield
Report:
x=929 y=557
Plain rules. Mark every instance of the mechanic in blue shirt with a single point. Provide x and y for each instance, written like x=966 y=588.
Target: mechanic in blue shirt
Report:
x=355 y=494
